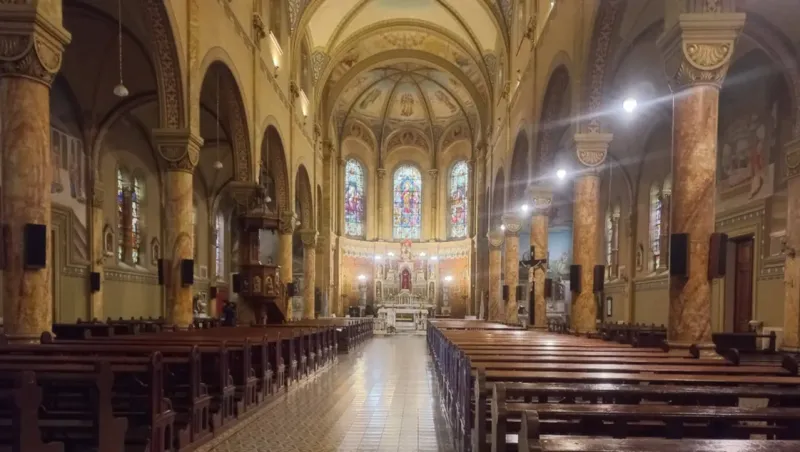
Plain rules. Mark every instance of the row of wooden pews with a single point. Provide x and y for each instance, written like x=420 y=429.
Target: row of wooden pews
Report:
x=127 y=386
x=510 y=389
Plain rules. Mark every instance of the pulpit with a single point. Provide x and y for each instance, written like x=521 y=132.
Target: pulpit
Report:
x=260 y=285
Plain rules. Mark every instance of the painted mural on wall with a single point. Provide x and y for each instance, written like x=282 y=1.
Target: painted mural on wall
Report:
x=744 y=158
x=69 y=158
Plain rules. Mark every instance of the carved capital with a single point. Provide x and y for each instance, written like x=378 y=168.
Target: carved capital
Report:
x=541 y=199
x=381 y=173
x=98 y=193
x=31 y=43
x=496 y=239
x=259 y=30
x=294 y=90
x=328 y=150
x=592 y=148
x=309 y=238
x=179 y=148
x=513 y=223
x=288 y=222
x=434 y=173
x=792 y=155
x=699 y=46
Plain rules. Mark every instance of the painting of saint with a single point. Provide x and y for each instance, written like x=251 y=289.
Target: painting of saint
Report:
x=745 y=146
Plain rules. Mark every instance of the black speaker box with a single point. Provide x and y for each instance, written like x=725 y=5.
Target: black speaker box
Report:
x=679 y=255
x=187 y=272
x=212 y=292
x=599 y=277
x=717 y=255
x=94 y=281
x=575 y=278
x=236 y=283
x=520 y=293
x=161 y=272
x=291 y=289
x=548 y=288
x=532 y=305
x=506 y=292
x=35 y=239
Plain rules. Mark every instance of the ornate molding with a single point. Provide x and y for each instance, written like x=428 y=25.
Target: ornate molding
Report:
x=309 y=238
x=259 y=29
x=288 y=222
x=792 y=156
x=541 y=199
x=496 y=238
x=699 y=47
x=31 y=46
x=180 y=148
x=592 y=148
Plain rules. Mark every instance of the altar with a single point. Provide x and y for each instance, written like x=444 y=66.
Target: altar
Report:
x=405 y=312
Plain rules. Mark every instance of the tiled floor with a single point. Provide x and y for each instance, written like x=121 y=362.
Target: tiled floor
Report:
x=383 y=397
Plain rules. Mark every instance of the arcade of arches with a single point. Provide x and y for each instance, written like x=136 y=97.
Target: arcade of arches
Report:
x=412 y=149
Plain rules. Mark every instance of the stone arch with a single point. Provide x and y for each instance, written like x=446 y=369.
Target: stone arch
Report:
x=604 y=41
x=498 y=200
x=233 y=108
x=518 y=180
x=167 y=61
x=552 y=120
x=304 y=197
x=273 y=160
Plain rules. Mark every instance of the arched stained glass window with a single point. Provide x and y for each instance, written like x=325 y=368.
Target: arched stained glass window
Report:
x=609 y=238
x=219 y=244
x=123 y=184
x=655 y=226
x=354 y=207
x=137 y=196
x=407 y=212
x=459 y=188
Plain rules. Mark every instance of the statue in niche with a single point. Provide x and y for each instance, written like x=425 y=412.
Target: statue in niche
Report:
x=431 y=291
x=405 y=280
x=639 y=257
x=257 y=284
x=268 y=285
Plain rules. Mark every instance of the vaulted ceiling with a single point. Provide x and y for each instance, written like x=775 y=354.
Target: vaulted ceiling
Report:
x=426 y=65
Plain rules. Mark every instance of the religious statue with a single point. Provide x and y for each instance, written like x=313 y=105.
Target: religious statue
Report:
x=405 y=250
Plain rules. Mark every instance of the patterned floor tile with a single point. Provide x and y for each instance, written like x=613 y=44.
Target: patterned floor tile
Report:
x=383 y=397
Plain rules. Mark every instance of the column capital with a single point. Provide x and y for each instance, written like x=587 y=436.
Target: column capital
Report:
x=288 y=222
x=496 y=239
x=513 y=223
x=541 y=199
x=98 y=193
x=592 y=148
x=698 y=47
x=180 y=148
x=32 y=41
x=433 y=173
x=328 y=149
x=381 y=173
x=309 y=238
x=792 y=156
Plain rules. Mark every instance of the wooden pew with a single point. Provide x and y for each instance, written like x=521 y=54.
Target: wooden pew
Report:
x=20 y=398
x=530 y=440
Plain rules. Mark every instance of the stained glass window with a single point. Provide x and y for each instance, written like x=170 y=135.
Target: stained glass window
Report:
x=137 y=196
x=407 y=212
x=122 y=187
x=219 y=234
x=655 y=226
x=459 y=212
x=354 y=199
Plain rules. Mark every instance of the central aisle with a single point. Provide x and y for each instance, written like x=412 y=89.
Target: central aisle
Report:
x=382 y=397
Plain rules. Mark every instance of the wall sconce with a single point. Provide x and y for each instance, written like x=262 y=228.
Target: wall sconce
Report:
x=448 y=278
x=277 y=52
x=362 y=278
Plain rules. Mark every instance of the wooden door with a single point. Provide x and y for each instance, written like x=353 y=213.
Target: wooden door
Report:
x=743 y=295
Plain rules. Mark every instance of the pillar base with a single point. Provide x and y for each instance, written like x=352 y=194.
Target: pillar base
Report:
x=784 y=349
x=684 y=349
x=23 y=338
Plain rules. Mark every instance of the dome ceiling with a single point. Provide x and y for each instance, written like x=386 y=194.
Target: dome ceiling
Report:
x=405 y=95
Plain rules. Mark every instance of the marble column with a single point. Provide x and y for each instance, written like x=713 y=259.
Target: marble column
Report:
x=496 y=307
x=698 y=48
x=309 y=238
x=97 y=251
x=791 y=272
x=513 y=224
x=31 y=57
x=434 y=174
x=379 y=200
x=591 y=150
x=180 y=149
x=663 y=240
x=541 y=200
x=288 y=222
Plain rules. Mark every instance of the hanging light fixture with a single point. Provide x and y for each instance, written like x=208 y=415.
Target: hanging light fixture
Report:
x=120 y=90
x=218 y=163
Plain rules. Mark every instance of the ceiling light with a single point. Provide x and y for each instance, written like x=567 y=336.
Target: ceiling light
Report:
x=524 y=207
x=502 y=227
x=217 y=165
x=448 y=278
x=561 y=174
x=629 y=105
x=362 y=278
x=121 y=91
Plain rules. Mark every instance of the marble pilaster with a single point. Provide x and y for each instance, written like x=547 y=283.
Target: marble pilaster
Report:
x=288 y=222
x=541 y=200
x=698 y=48
x=791 y=272
x=31 y=46
x=434 y=174
x=309 y=238
x=97 y=248
x=496 y=307
x=181 y=151
x=591 y=149
x=379 y=201
x=513 y=225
